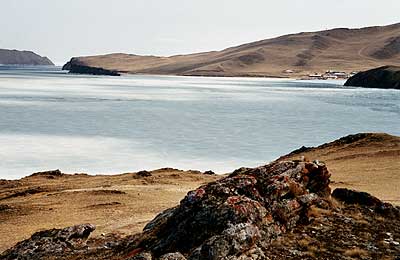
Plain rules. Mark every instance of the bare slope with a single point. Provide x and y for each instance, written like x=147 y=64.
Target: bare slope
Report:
x=337 y=49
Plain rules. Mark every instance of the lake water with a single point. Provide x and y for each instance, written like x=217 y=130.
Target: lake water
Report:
x=98 y=125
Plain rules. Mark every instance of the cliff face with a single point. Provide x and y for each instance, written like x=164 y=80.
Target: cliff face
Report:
x=387 y=77
x=302 y=53
x=14 y=57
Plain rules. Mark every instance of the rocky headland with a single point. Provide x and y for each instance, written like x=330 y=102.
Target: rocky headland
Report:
x=76 y=67
x=293 y=55
x=15 y=57
x=283 y=210
x=386 y=77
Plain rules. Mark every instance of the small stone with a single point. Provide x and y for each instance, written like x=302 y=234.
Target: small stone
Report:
x=172 y=256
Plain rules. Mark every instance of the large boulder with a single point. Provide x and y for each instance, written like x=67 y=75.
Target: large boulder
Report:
x=386 y=77
x=233 y=217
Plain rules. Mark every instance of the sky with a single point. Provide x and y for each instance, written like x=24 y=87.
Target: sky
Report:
x=64 y=29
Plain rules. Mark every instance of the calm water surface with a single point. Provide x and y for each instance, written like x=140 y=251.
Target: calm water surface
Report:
x=94 y=124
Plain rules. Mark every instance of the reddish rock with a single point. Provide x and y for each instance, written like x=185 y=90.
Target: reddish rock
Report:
x=232 y=216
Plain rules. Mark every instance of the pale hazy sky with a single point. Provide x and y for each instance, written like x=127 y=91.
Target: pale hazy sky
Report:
x=62 y=29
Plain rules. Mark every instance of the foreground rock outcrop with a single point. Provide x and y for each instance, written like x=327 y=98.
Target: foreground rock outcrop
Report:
x=231 y=218
x=283 y=210
x=386 y=77
x=15 y=57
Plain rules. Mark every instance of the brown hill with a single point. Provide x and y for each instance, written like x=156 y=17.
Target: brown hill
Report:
x=337 y=49
x=15 y=57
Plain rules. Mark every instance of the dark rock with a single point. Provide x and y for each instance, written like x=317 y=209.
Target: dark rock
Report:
x=144 y=174
x=75 y=66
x=50 y=243
x=232 y=216
x=48 y=174
x=386 y=77
x=209 y=173
x=355 y=197
x=365 y=199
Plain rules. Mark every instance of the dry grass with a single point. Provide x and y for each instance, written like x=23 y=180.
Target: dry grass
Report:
x=356 y=252
x=315 y=212
x=119 y=203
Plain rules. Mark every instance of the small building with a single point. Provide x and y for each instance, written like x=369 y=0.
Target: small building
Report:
x=315 y=76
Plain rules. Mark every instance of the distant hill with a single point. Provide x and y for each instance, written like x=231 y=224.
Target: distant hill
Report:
x=15 y=57
x=303 y=53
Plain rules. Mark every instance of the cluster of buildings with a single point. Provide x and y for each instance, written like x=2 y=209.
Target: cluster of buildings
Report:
x=329 y=74
x=332 y=74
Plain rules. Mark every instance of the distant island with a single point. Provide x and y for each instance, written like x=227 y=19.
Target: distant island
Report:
x=15 y=57
x=335 y=53
x=386 y=77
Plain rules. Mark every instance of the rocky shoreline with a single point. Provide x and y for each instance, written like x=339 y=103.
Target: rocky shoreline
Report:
x=386 y=77
x=74 y=67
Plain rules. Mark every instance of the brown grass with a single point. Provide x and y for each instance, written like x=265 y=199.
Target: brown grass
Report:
x=119 y=203
x=356 y=252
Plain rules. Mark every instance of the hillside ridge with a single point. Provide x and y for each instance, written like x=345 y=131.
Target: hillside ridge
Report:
x=292 y=55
